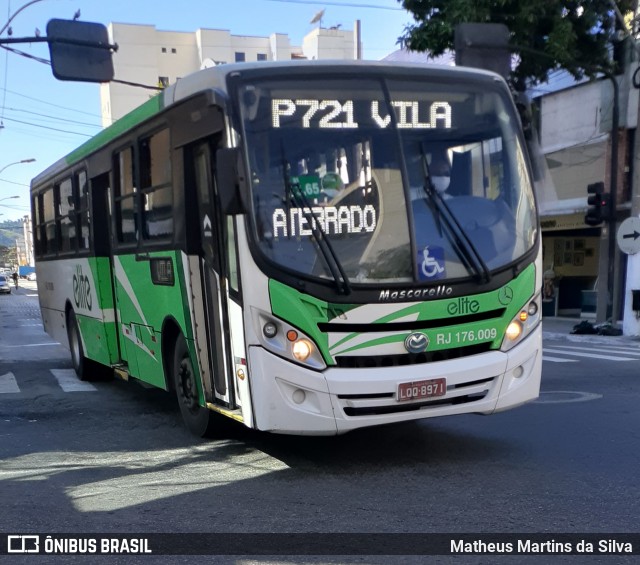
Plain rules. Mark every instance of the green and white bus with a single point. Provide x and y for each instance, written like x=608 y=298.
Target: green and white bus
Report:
x=280 y=243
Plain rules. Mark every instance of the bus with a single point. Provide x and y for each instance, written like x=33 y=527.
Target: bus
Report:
x=279 y=243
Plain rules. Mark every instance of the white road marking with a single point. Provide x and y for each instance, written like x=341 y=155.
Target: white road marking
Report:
x=558 y=359
x=635 y=352
x=30 y=345
x=590 y=355
x=69 y=382
x=569 y=396
x=8 y=384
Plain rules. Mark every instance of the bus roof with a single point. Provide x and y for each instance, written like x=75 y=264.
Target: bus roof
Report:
x=215 y=78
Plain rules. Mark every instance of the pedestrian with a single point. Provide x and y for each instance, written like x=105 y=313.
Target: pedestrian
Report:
x=15 y=279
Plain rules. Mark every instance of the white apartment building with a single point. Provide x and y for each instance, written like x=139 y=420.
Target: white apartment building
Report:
x=152 y=57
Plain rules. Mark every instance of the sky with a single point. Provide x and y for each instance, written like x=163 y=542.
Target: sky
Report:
x=44 y=119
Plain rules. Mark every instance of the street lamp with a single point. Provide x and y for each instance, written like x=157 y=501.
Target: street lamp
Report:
x=17 y=163
x=8 y=198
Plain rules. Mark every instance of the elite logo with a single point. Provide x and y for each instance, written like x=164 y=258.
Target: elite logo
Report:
x=462 y=306
x=81 y=289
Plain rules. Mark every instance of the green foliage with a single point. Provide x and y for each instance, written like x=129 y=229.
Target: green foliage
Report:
x=10 y=230
x=545 y=34
x=7 y=256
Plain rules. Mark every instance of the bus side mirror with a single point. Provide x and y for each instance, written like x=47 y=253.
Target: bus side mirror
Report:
x=231 y=181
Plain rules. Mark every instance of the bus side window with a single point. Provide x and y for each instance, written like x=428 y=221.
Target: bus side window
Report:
x=232 y=256
x=125 y=197
x=83 y=210
x=155 y=185
x=38 y=225
x=99 y=214
x=49 y=217
x=67 y=216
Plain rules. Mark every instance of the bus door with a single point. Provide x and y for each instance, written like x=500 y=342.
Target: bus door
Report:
x=100 y=218
x=214 y=276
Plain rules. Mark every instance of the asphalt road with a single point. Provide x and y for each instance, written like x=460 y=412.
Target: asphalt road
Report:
x=115 y=457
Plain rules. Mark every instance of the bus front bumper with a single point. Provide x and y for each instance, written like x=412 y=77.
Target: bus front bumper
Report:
x=290 y=399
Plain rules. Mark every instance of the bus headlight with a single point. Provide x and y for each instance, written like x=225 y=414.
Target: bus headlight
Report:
x=522 y=323
x=284 y=340
x=514 y=331
x=302 y=349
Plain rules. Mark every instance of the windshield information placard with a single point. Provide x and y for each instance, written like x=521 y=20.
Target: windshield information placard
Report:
x=332 y=220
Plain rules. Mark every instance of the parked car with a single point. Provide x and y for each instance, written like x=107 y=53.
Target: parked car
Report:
x=31 y=276
x=5 y=287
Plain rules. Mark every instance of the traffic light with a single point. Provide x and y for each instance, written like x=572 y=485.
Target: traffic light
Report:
x=605 y=208
x=598 y=204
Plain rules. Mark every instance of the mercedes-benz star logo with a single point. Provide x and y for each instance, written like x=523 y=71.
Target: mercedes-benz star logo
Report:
x=505 y=296
x=416 y=342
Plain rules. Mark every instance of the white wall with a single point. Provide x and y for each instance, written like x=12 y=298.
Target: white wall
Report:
x=571 y=117
x=141 y=59
x=323 y=43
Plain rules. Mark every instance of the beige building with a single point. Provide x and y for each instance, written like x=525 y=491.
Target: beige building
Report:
x=28 y=239
x=152 y=57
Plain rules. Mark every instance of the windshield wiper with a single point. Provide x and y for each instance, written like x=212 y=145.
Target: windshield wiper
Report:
x=328 y=252
x=463 y=244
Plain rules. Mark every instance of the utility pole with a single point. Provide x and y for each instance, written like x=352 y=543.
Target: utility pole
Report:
x=612 y=310
x=631 y=319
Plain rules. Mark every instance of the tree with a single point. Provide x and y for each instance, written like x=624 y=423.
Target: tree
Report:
x=7 y=256
x=545 y=34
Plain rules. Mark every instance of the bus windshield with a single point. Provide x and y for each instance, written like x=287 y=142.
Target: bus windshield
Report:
x=361 y=163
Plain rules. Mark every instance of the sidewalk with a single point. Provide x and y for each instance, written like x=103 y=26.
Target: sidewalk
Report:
x=558 y=325
x=554 y=327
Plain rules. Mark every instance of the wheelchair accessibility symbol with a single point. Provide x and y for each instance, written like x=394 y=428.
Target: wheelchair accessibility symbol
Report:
x=432 y=263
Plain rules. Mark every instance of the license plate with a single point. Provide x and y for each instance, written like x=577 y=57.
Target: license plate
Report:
x=422 y=389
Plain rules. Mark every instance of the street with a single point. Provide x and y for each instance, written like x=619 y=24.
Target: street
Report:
x=112 y=456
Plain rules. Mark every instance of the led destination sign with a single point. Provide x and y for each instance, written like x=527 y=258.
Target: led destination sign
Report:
x=333 y=114
x=334 y=220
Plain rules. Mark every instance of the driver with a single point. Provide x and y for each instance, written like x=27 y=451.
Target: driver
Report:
x=440 y=171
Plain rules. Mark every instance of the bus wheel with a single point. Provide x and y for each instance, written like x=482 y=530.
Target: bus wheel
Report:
x=75 y=345
x=198 y=419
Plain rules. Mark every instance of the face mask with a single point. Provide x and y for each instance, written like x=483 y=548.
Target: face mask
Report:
x=440 y=183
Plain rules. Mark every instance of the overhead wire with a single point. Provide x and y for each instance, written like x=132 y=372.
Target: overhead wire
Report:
x=66 y=120
x=6 y=68
x=47 y=127
x=341 y=4
x=14 y=182
x=51 y=103
x=66 y=138
x=25 y=54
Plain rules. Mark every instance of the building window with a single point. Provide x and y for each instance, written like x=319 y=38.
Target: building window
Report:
x=164 y=49
x=262 y=56
x=174 y=50
x=240 y=57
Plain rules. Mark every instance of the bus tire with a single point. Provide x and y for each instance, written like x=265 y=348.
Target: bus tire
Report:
x=198 y=419
x=75 y=346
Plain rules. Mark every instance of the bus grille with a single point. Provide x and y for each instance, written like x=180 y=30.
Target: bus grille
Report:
x=374 y=361
x=385 y=403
